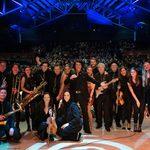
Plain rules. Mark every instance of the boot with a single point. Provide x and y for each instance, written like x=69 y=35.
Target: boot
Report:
x=139 y=128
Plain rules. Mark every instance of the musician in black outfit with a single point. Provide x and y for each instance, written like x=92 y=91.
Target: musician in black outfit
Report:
x=68 y=119
x=2 y=74
x=42 y=117
x=13 y=89
x=103 y=100
x=79 y=90
x=55 y=85
x=136 y=83
x=43 y=74
x=8 y=129
x=27 y=86
x=93 y=64
x=128 y=93
x=114 y=73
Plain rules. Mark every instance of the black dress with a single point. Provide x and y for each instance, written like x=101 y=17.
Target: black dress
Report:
x=138 y=112
x=41 y=121
x=29 y=85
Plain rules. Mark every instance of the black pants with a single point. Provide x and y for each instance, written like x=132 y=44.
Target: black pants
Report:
x=17 y=119
x=69 y=133
x=42 y=131
x=4 y=130
x=104 y=104
x=30 y=113
x=138 y=112
x=126 y=109
x=54 y=102
x=83 y=101
x=117 y=108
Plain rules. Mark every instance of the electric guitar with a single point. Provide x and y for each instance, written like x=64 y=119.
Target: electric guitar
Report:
x=99 y=91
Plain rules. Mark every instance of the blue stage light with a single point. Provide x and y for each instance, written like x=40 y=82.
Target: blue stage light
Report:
x=97 y=18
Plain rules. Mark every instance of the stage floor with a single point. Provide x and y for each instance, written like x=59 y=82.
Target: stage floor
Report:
x=117 y=139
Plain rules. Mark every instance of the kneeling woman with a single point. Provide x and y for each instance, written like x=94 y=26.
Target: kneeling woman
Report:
x=45 y=119
x=68 y=119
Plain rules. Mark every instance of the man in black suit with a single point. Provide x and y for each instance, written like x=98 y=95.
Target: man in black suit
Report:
x=93 y=64
x=55 y=85
x=117 y=109
x=43 y=75
x=103 y=100
x=13 y=89
x=79 y=90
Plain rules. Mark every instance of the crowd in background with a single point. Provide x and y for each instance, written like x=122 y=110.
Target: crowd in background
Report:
x=82 y=69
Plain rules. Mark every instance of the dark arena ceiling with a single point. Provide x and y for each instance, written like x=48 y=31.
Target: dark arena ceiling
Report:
x=24 y=16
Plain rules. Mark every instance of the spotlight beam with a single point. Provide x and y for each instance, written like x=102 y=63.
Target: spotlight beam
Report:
x=138 y=6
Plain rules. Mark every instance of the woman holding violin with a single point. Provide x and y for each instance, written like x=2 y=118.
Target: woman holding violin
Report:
x=45 y=119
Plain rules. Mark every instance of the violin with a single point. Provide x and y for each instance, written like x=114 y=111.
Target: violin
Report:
x=52 y=126
x=119 y=100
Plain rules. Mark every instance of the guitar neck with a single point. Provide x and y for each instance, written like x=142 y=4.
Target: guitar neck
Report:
x=110 y=82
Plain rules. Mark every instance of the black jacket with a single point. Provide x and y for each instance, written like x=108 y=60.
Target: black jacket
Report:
x=80 y=84
x=69 y=113
x=12 y=82
x=40 y=76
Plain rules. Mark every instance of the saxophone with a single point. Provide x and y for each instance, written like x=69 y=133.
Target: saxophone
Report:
x=25 y=101
x=36 y=92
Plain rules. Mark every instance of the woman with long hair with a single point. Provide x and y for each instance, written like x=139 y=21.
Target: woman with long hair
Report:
x=45 y=117
x=63 y=87
x=68 y=119
x=27 y=86
x=136 y=83
x=127 y=90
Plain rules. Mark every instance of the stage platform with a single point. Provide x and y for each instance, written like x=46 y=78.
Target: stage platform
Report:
x=117 y=139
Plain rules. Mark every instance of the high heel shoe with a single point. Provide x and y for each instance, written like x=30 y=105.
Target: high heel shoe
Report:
x=128 y=126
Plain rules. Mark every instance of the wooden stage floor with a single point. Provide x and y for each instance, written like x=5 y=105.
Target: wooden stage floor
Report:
x=117 y=139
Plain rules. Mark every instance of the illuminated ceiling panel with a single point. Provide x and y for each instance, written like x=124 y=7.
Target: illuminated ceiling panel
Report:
x=41 y=12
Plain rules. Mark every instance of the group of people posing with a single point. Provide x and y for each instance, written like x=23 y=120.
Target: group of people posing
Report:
x=66 y=102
